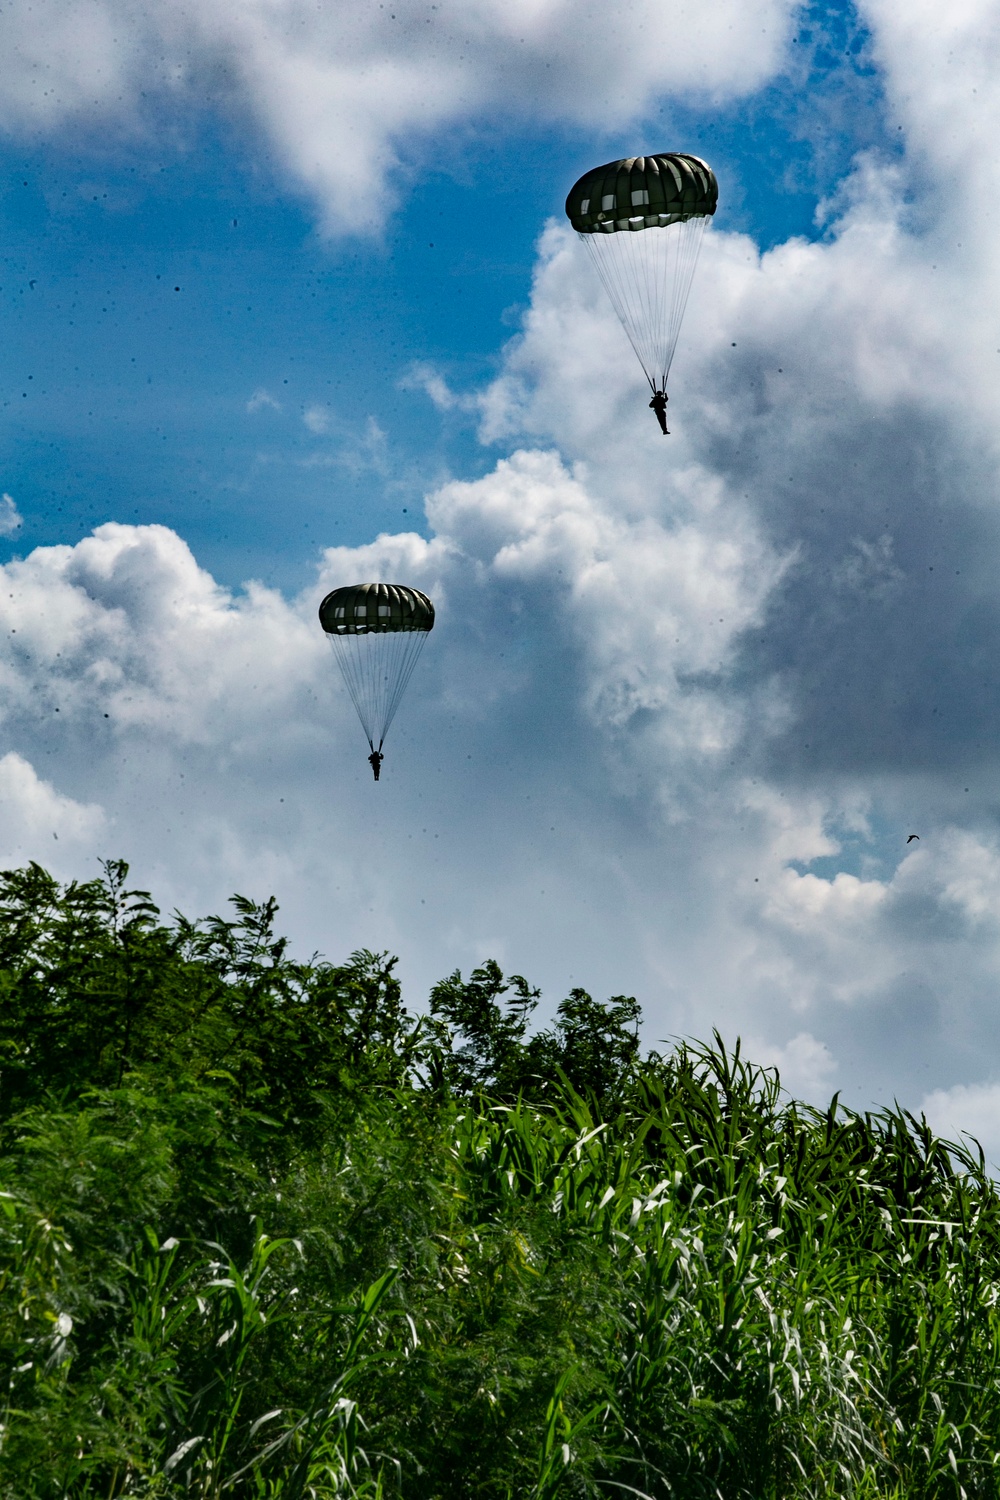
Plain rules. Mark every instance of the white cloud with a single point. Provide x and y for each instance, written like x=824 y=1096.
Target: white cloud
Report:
x=366 y=451
x=967 y=1110
x=36 y=822
x=262 y=400
x=562 y=776
x=346 y=93
x=567 y=774
x=942 y=73
x=11 y=519
x=647 y=602
x=422 y=376
x=317 y=419
x=805 y=1066
x=126 y=625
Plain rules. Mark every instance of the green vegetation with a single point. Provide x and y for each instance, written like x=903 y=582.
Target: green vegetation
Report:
x=264 y=1234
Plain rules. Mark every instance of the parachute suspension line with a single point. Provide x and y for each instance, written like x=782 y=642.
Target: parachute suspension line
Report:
x=687 y=248
x=376 y=667
x=647 y=274
x=624 y=293
x=349 y=663
x=404 y=654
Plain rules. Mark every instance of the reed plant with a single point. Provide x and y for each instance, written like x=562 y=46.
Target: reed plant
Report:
x=263 y=1234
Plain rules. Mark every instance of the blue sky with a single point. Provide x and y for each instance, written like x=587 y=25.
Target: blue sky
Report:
x=154 y=281
x=288 y=302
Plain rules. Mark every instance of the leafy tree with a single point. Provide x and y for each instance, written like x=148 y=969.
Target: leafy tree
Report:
x=94 y=989
x=592 y=1047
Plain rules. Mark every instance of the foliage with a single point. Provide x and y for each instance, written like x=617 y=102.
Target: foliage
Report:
x=592 y=1047
x=264 y=1234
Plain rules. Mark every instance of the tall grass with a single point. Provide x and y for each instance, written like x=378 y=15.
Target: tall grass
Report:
x=683 y=1284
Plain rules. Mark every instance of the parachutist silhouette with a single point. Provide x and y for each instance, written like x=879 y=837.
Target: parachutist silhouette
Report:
x=659 y=405
x=912 y=837
x=375 y=761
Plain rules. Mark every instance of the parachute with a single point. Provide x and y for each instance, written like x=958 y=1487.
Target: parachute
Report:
x=642 y=220
x=377 y=631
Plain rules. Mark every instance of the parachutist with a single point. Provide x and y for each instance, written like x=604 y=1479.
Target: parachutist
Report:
x=375 y=761
x=659 y=405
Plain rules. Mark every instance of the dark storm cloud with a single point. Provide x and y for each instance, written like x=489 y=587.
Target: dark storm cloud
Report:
x=885 y=630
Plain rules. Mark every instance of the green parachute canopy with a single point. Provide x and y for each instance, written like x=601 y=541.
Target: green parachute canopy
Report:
x=642 y=220
x=377 y=631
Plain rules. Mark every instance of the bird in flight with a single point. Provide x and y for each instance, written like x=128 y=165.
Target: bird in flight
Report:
x=912 y=837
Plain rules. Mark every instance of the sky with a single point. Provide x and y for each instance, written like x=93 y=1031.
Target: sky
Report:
x=289 y=301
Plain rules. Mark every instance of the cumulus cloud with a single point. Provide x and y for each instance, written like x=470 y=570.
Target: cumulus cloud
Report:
x=967 y=1113
x=126 y=626
x=804 y=1065
x=345 y=94
x=37 y=822
x=803 y=418
x=814 y=675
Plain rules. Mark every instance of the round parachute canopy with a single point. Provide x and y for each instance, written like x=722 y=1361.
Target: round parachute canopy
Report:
x=642 y=220
x=377 y=631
